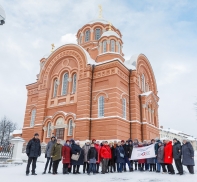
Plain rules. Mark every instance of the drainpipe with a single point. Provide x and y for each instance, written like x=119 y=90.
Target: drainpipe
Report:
x=90 y=124
x=130 y=100
x=141 y=118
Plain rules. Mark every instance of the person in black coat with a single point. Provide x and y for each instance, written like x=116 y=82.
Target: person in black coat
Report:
x=33 y=151
x=111 y=164
x=76 y=149
x=119 y=153
x=177 y=151
x=131 y=150
x=92 y=157
x=127 y=156
x=188 y=156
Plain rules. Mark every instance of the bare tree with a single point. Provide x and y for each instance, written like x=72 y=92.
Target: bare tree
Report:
x=6 y=128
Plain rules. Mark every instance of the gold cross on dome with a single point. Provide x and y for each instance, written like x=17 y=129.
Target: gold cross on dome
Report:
x=100 y=12
x=110 y=26
x=52 y=47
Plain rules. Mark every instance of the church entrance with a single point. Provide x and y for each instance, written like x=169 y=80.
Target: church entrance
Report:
x=60 y=133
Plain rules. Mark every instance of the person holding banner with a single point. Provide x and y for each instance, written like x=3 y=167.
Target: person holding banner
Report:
x=141 y=162
x=119 y=153
x=168 y=156
x=160 y=156
x=135 y=145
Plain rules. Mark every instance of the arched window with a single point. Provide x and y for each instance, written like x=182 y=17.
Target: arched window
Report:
x=55 y=86
x=101 y=106
x=112 y=46
x=74 y=83
x=49 y=130
x=87 y=35
x=124 y=108
x=33 y=117
x=97 y=33
x=118 y=47
x=65 y=84
x=143 y=83
x=104 y=46
x=70 y=128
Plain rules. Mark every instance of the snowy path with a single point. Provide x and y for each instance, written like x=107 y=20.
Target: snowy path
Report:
x=17 y=174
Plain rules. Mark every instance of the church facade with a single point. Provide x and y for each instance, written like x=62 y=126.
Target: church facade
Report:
x=88 y=90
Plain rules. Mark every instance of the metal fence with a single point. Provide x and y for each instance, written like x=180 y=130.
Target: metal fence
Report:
x=6 y=152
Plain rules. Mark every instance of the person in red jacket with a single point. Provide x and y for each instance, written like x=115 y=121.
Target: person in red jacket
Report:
x=168 y=156
x=66 y=156
x=98 y=148
x=105 y=155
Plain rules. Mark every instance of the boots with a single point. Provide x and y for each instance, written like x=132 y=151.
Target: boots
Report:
x=78 y=169
x=135 y=166
x=44 y=172
x=65 y=171
x=111 y=169
x=74 y=169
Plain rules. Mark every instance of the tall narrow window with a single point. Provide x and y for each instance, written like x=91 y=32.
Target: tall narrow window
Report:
x=104 y=46
x=33 y=117
x=143 y=83
x=101 y=106
x=112 y=46
x=124 y=108
x=118 y=47
x=70 y=128
x=74 y=83
x=97 y=33
x=87 y=35
x=55 y=86
x=65 y=84
x=49 y=130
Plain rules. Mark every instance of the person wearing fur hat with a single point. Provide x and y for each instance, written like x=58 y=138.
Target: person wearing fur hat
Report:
x=86 y=148
x=48 y=154
x=98 y=148
x=66 y=156
x=33 y=151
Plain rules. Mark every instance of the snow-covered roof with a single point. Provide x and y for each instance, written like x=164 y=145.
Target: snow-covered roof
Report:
x=146 y=93
x=110 y=33
x=15 y=132
x=99 y=21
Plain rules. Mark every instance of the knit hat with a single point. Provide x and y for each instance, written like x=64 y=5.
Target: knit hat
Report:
x=36 y=134
x=67 y=141
x=175 y=139
x=93 y=140
x=122 y=141
x=87 y=141
x=72 y=141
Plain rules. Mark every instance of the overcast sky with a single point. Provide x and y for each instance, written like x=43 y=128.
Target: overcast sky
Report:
x=164 y=30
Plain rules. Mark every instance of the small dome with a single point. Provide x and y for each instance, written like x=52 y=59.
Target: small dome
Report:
x=110 y=33
x=98 y=21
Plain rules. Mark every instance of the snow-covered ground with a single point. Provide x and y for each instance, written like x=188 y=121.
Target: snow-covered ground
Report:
x=17 y=174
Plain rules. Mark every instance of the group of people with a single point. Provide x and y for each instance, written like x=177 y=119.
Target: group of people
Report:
x=112 y=156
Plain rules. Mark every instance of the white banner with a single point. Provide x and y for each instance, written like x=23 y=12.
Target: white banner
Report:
x=143 y=152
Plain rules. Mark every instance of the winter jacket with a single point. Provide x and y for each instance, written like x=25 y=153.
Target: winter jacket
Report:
x=160 y=154
x=168 y=157
x=105 y=152
x=85 y=150
x=56 y=152
x=188 y=153
x=157 y=147
x=48 y=148
x=98 y=148
x=74 y=150
x=177 y=150
x=92 y=154
x=66 y=154
x=127 y=150
x=112 y=160
x=33 y=148
x=118 y=150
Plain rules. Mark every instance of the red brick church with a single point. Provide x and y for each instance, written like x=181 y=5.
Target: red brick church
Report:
x=88 y=90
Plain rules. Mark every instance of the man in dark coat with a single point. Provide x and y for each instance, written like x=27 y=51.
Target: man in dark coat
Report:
x=131 y=149
x=92 y=157
x=177 y=156
x=158 y=166
x=33 y=151
x=77 y=150
x=48 y=154
x=127 y=152
x=188 y=156
x=119 y=153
